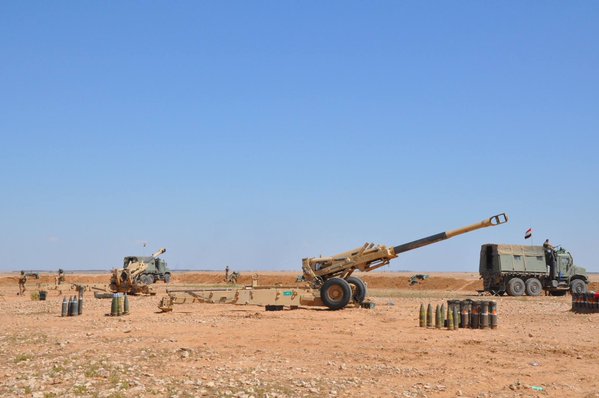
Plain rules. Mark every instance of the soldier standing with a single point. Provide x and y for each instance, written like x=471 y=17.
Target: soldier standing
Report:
x=550 y=255
x=60 y=278
x=227 y=273
x=22 y=282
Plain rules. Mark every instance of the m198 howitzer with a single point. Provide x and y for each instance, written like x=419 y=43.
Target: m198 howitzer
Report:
x=333 y=275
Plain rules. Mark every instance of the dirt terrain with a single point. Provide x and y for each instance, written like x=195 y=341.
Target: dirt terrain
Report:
x=243 y=351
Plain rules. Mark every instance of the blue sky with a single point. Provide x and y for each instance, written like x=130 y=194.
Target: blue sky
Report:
x=252 y=134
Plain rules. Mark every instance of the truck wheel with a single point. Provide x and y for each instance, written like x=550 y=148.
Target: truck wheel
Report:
x=147 y=279
x=578 y=286
x=515 y=287
x=533 y=287
x=359 y=289
x=335 y=293
x=167 y=278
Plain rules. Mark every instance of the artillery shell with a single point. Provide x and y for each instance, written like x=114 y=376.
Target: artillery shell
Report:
x=113 y=306
x=493 y=314
x=75 y=306
x=80 y=306
x=449 y=318
x=443 y=323
x=65 y=307
x=456 y=317
x=422 y=316
x=437 y=317
x=126 y=305
x=429 y=318
x=70 y=308
x=484 y=315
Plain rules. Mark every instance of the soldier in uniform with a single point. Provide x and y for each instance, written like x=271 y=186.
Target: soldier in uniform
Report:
x=22 y=282
x=550 y=255
x=227 y=273
x=60 y=278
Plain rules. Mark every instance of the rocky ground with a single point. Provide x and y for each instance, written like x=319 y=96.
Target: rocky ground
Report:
x=540 y=349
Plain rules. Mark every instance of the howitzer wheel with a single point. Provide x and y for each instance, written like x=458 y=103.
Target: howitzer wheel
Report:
x=359 y=289
x=533 y=287
x=335 y=293
x=515 y=287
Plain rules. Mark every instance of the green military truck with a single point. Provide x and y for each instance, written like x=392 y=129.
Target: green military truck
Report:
x=518 y=270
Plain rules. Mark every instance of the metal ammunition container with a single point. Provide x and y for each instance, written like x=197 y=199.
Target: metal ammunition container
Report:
x=70 y=308
x=484 y=315
x=437 y=317
x=80 y=306
x=465 y=316
x=65 y=307
x=75 y=306
x=493 y=314
x=449 y=318
x=475 y=315
x=422 y=316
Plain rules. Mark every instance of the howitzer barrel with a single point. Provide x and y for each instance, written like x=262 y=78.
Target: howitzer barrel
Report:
x=490 y=222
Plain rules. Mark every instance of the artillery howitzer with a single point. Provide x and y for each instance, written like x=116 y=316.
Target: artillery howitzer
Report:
x=327 y=281
x=333 y=275
x=138 y=273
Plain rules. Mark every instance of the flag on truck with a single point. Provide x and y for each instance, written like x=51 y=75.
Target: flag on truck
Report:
x=528 y=233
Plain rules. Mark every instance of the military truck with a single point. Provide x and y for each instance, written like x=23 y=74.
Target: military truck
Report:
x=518 y=270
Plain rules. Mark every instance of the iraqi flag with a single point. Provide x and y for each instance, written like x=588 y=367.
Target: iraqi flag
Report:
x=528 y=233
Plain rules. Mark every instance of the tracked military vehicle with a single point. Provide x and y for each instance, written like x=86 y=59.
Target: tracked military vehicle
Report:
x=529 y=270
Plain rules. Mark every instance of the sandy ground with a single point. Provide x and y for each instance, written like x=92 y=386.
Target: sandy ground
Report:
x=244 y=351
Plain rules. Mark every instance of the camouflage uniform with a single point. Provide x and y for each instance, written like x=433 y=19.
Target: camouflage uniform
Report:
x=22 y=282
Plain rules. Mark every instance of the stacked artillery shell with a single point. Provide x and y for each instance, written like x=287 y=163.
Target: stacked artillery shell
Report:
x=443 y=324
x=80 y=306
x=65 y=307
x=429 y=318
x=126 y=305
x=75 y=307
x=493 y=314
x=70 y=310
x=438 y=317
x=119 y=306
x=585 y=302
x=114 y=306
x=456 y=316
x=484 y=315
x=465 y=305
x=422 y=316
x=450 y=325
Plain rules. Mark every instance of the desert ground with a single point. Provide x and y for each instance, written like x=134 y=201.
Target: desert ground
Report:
x=540 y=349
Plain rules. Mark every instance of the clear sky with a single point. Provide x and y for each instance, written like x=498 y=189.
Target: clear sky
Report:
x=252 y=134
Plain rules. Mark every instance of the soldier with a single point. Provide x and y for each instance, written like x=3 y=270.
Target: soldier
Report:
x=60 y=278
x=548 y=246
x=227 y=273
x=551 y=258
x=22 y=282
